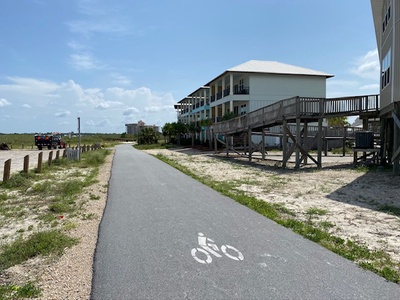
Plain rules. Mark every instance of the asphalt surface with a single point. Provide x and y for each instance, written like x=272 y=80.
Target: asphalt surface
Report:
x=149 y=247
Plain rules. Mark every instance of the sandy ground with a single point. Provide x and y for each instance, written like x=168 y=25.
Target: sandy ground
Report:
x=350 y=199
x=17 y=158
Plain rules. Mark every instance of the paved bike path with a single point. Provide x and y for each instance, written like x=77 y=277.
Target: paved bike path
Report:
x=151 y=223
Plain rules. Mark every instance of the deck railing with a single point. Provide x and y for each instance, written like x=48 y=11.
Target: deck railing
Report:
x=300 y=107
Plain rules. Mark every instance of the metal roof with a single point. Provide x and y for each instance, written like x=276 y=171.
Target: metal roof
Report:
x=192 y=93
x=274 y=67
x=271 y=67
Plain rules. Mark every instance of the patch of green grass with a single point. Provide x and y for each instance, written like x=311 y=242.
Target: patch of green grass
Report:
x=95 y=158
x=324 y=189
x=282 y=209
x=154 y=146
x=11 y=292
x=316 y=211
x=326 y=225
x=393 y=210
x=93 y=197
x=43 y=187
x=41 y=243
x=70 y=187
x=3 y=197
x=59 y=207
x=89 y=216
x=362 y=169
x=69 y=226
x=18 y=180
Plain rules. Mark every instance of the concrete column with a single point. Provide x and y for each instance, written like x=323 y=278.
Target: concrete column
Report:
x=263 y=143
x=304 y=142
x=383 y=140
x=231 y=84
x=231 y=105
x=396 y=140
x=223 y=86
x=250 y=146
x=298 y=141
x=319 y=143
x=223 y=109
x=284 y=143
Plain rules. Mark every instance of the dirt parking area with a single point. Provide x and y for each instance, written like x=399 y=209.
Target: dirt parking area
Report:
x=17 y=159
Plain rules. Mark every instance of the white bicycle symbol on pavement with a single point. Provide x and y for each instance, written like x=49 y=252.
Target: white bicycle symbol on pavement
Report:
x=208 y=247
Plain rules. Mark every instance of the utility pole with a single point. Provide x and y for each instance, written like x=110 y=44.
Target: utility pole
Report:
x=79 y=138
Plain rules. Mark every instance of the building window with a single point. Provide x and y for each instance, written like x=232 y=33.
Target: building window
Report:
x=385 y=76
x=241 y=84
x=243 y=109
x=386 y=16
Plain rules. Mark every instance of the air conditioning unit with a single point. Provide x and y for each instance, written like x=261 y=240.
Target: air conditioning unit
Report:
x=364 y=140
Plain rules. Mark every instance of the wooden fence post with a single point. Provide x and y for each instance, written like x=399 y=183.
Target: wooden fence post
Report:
x=40 y=161
x=58 y=154
x=26 y=164
x=7 y=170
x=50 y=158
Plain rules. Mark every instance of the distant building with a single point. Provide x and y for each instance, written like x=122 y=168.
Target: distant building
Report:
x=135 y=128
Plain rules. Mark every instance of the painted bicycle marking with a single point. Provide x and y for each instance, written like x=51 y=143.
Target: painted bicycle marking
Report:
x=209 y=247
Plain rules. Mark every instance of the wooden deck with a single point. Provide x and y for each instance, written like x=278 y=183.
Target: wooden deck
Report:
x=310 y=109
x=301 y=111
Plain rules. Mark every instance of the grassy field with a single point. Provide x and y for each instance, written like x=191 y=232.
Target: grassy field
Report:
x=26 y=141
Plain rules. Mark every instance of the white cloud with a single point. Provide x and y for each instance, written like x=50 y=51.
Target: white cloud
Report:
x=103 y=110
x=90 y=8
x=30 y=86
x=85 y=61
x=108 y=104
x=158 y=108
x=373 y=86
x=367 y=66
x=130 y=111
x=76 y=46
x=120 y=79
x=99 y=124
x=4 y=102
x=62 y=114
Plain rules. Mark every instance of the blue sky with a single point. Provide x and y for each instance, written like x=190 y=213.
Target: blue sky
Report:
x=121 y=61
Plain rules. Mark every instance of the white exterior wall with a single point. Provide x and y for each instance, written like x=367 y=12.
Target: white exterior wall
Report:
x=266 y=89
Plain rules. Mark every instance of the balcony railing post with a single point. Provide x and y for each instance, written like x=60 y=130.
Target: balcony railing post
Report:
x=297 y=107
x=321 y=107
